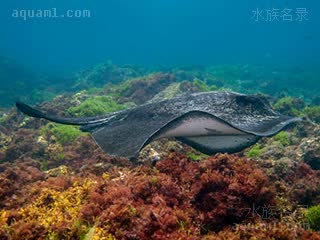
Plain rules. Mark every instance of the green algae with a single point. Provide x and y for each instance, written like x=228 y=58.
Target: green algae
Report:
x=290 y=106
x=196 y=156
x=202 y=86
x=97 y=105
x=313 y=112
x=283 y=138
x=312 y=217
x=3 y=118
x=255 y=151
x=63 y=133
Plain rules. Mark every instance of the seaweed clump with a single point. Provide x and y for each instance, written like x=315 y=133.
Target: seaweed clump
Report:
x=62 y=133
x=53 y=214
x=313 y=112
x=143 y=89
x=313 y=217
x=97 y=105
x=255 y=151
x=179 y=199
x=283 y=138
x=290 y=106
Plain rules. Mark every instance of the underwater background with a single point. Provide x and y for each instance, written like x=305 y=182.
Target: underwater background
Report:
x=88 y=58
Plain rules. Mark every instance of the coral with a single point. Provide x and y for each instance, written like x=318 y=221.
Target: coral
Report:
x=97 y=105
x=312 y=217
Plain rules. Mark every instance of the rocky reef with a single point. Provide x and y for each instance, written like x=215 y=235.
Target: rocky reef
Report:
x=55 y=183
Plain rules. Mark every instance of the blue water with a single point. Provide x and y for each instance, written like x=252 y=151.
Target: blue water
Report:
x=159 y=32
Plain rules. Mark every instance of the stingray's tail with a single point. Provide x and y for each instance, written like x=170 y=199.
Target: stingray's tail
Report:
x=32 y=112
x=308 y=120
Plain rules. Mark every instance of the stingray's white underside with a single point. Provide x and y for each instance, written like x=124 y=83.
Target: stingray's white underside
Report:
x=210 y=134
x=201 y=126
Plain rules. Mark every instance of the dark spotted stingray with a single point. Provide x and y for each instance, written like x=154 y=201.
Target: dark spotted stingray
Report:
x=210 y=122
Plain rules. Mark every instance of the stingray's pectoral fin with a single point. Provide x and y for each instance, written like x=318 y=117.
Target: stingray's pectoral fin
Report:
x=220 y=143
x=122 y=138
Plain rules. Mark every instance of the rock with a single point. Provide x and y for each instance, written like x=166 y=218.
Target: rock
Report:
x=311 y=153
x=42 y=141
x=4 y=140
x=55 y=172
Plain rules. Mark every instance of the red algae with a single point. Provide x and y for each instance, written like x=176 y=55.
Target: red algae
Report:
x=185 y=201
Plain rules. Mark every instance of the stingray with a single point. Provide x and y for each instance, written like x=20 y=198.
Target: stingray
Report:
x=210 y=122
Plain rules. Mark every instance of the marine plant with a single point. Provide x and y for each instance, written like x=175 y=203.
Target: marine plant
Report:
x=313 y=112
x=15 y=180
x=202 y=86
x=105 y=73
x=269 y=231
x=3 y=118
x=255 y=151
x=144 y=88
x=55 y=212
x=312 y=216
x=62 y=133
x=290 y=106
x=196 y=156
x=283 y=138
x=97 y=105
x=304 y=185
x=178 y=198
